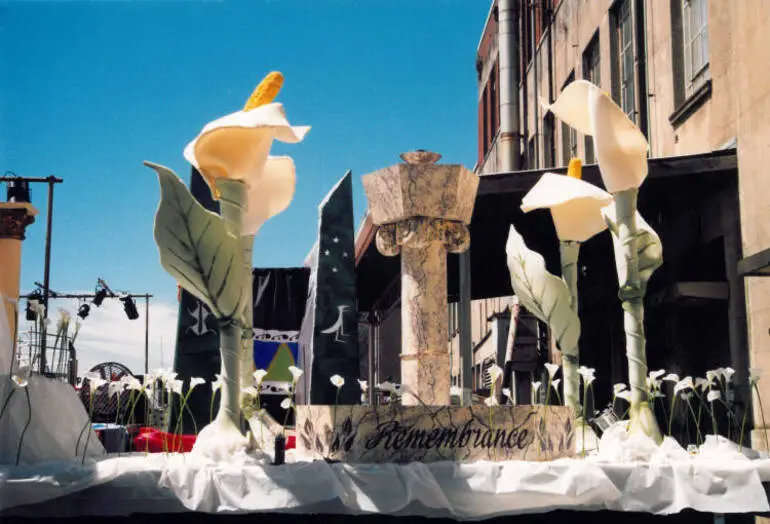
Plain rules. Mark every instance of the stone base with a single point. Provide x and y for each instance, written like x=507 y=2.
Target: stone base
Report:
x=396 y=433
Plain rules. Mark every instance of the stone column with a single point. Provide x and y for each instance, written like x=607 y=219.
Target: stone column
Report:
x=14 y=218
x=423 y=211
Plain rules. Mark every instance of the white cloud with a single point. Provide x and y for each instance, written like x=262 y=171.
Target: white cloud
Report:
x=107 y=335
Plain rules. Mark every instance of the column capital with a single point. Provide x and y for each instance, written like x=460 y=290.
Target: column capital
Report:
x=14 y=219
x=419 y=232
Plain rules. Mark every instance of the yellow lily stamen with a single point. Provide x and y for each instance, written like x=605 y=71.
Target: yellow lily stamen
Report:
x=266 y=91
x=575 y=169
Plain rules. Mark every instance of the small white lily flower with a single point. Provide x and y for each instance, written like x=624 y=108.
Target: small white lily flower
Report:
x=625 y=395
x=259 y=375
x=196 y=381
x=617 y=388
x=671 y=377
x=455 y=391
x=507 y=393
x=684 y=385
x=728 y=373
x=295 y=373
x=95 y=384
x=713 y=375
x=337 y=381
x=552 y=369
x=713 y=395
x=217 y=382
x=286 y=403
x=754 y=375
x=131 y=383
x=115 y=388
x=494 y=373
x=686 y=396
x=250 y=391
x=654 y=375
x=490 y=401
x=555 y=384
x=588 y=375
x=364 y=385
x=175 y=386
x=385 y=386
x=702 y=384
x=536 y=386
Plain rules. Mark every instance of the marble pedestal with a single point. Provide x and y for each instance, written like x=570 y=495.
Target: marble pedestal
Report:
x=423 y=211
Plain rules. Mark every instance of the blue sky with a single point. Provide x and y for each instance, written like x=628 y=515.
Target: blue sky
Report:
x=92 y=89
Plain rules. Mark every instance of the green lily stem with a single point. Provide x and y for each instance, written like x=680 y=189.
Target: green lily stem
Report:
x=631 y=295
x=569 y=252
x=26 y=426
x=671 y=418
x=698 y=436
x=762 y=413
x=7 y=401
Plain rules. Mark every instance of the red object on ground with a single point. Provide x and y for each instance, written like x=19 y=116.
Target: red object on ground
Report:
x=155 y=441
x=152 y=440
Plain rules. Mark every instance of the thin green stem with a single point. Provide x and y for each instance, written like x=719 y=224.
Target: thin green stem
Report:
x=762 y=413
x=671 y=418
x=698 y=437
x=26 y=426
x=7 y=400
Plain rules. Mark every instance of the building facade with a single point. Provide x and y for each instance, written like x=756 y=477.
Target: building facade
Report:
x=692 y=74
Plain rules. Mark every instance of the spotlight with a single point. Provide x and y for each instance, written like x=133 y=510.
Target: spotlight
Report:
x=129 y=306
x=30 y=312
x=84 y=310
x=99 y=297
x=18 y=191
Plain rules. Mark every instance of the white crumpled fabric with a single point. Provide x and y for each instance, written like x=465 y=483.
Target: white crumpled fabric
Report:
x=667 y=483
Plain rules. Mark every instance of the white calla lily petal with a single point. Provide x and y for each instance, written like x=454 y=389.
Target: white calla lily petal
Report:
x=621 y=148
x=575 y=205
x=270 y=194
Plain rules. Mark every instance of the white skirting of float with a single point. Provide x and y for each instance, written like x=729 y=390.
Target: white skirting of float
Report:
x=118 y=486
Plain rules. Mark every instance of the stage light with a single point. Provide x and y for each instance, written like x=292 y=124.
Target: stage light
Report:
x=129 y=306
x=84 y=310
x=30 y=312
x=17 y=191
x=99 y=297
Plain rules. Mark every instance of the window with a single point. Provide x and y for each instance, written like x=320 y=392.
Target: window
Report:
x=549 y=145
x=695 y=41
x=568 y=134
x=624 y=89
x=495 y=106
x=532 y=160
x=592 y=73
x=690 y=57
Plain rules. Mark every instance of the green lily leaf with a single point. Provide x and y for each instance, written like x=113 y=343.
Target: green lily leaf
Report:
x=196 y=249
x=648 y=246
x=543 y=294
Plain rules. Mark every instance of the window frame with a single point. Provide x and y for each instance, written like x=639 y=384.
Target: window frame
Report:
x=592 y=63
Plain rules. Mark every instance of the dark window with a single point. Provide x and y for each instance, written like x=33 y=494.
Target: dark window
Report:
x=549 y=144
x=485 y=122
x=568 y=134
x=495 y=99
x=532 y=160
x=695 y=42
x=592 y=73
x=624 y=88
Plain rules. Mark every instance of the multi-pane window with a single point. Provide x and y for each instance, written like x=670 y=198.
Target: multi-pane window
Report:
x=568 y=134
x=695 y=40
x=625 y=50
x=592 y=73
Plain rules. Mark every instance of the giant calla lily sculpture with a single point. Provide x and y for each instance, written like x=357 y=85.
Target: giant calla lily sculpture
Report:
x=621 y=151
x=210 y=255
x=576 y=209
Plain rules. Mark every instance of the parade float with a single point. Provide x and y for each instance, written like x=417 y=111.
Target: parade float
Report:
x=417 y=455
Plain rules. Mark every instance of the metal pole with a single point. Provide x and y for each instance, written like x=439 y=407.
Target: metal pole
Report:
x=466 y=344
x=47 y=273
x=370 y=356
x=146 y=334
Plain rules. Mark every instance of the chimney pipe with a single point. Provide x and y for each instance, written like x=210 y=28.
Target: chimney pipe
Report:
x=509 y=152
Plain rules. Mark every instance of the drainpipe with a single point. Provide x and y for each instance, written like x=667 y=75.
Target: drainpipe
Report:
x=509 y=144
x=532 y=162
x=552 y=145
